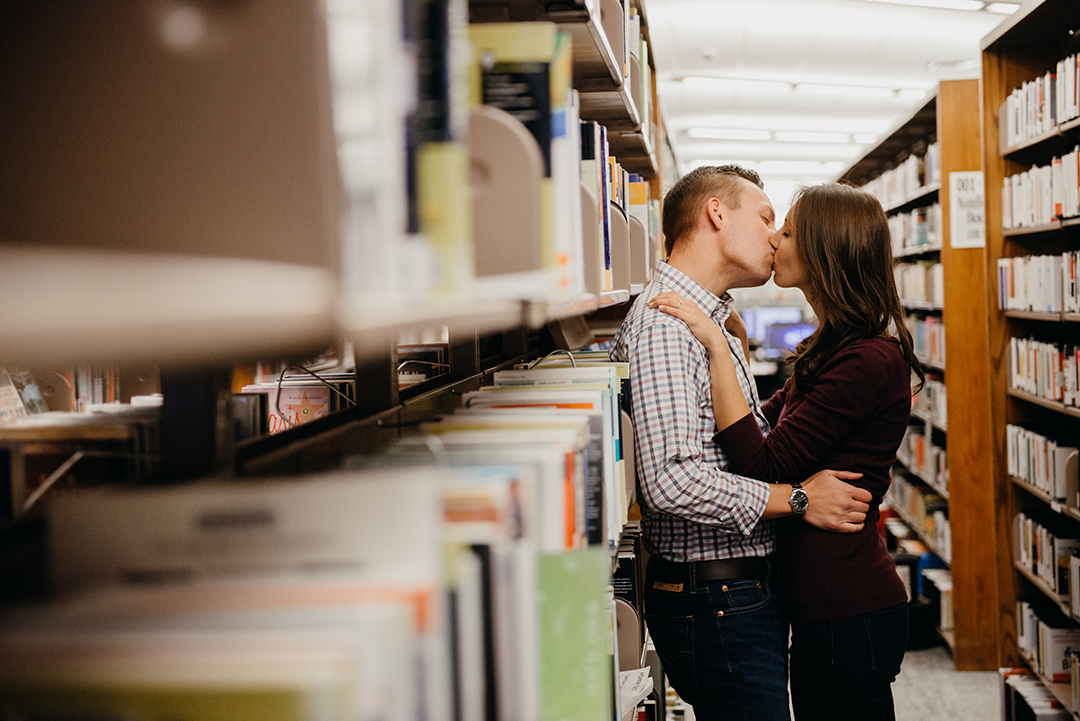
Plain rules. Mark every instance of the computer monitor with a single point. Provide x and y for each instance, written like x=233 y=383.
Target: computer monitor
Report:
x=782 y=338
x=759 y=319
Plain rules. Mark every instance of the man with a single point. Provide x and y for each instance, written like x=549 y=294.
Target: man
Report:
x=718 y=630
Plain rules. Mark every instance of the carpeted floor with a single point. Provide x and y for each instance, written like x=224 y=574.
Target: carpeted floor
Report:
x=930 y=689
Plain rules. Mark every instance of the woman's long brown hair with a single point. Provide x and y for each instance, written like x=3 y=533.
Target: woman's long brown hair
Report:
x=842 y=238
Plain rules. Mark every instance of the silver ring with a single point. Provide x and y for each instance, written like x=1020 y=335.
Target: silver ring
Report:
x=679 y=303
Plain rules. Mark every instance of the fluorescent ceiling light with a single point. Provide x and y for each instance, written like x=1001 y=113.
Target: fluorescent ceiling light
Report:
x=728 y=134
x=1002 y=8
x=794 y=167
x=971 y=5
x=864 y=138
x=793 y=136
x=859 y=91
x=760 y=86
x=821 y=123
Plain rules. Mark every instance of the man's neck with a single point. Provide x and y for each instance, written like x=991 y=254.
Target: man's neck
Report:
x=700 y=271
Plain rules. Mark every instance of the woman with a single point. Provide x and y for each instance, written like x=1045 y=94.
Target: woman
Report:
x=846 y=406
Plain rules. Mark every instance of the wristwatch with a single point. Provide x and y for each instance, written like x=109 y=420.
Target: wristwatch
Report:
x=799 y=501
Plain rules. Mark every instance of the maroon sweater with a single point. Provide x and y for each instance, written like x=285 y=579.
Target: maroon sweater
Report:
x=852 y=419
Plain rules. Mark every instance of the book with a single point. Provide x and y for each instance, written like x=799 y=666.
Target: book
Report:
x=344 y=521
x=571 y=389
x=278 y=648
x=576 y=650
x=437 y=160
x=29 y=392
x=11 y=403
x=524 y=69
x=298 y=401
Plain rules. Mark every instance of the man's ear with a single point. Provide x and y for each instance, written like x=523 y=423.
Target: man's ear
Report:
x=714 y=213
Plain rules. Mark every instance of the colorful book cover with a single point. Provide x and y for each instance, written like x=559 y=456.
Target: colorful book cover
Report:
x=576 y=644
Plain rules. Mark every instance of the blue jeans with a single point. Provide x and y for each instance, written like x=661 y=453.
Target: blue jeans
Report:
x=723 y=647
x=845 y=668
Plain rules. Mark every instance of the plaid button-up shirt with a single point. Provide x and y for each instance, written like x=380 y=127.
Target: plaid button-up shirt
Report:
x=692 y=508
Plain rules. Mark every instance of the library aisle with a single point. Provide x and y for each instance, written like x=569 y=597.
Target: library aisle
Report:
x=929 y=688
x=307 y=411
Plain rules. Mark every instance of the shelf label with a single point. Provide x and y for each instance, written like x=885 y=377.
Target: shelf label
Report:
x=967 y=211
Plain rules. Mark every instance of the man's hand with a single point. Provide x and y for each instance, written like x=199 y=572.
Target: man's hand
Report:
x=835 y=505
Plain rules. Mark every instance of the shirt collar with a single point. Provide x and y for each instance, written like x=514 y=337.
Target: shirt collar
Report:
x=718 y=308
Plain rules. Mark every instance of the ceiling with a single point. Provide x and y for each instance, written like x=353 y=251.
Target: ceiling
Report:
x=798 y=127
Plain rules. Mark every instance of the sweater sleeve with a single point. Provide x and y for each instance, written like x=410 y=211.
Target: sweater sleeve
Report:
x=772 y=407
x=842 y=399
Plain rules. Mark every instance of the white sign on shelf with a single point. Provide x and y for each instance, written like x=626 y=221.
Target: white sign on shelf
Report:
x=967 y=210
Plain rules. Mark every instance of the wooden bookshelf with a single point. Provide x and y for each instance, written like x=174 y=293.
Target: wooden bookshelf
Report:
x=1061 y=690
x=1032 y=229
x=1035 y=315
x=1055 y=505
x=921 y=415
x=923 y=535
x=917 y=250
x=1026 y=45
x=915 y=199
x=1062 y=602
x=951 y=118
x=931 y=482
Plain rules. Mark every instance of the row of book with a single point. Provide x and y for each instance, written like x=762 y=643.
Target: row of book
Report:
x=1044 y=543
x=639 y=51
x=1046 y=640
x=490 y=189
x=923 y=457
x=924 y=508
x=928 y=335
x=916 y=229
x=1047 y=370
x=1042 y=194
x=931 y=401
x=1024 y=696
x=909 y=177
x=942 y=582
x=78 y=388
x=1040 y=105
x=922 y=281
x=1043 y=463
x=463 y=573
x=297 y=398
x=1047 y=283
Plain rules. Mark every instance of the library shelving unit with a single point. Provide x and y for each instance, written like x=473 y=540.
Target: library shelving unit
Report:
x=181 y=238
x=245 y=260
x=950 y=119
x=214 y=245
x=1026 y=46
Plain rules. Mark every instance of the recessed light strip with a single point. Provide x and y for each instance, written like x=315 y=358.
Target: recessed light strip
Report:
x=1002 y=8
x=774 y=86
x=783 y=136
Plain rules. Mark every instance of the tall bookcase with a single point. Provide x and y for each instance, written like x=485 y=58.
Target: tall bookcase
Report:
x=948 y=124
x=287 y=297
x=276 y=282
x=1027 y=46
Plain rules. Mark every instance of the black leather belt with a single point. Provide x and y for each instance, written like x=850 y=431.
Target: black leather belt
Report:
x=725 y=569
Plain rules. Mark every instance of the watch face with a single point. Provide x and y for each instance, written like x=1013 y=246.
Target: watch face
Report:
x=799 y=501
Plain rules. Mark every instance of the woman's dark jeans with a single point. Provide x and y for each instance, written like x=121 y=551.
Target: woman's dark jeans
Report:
x=844 y=669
